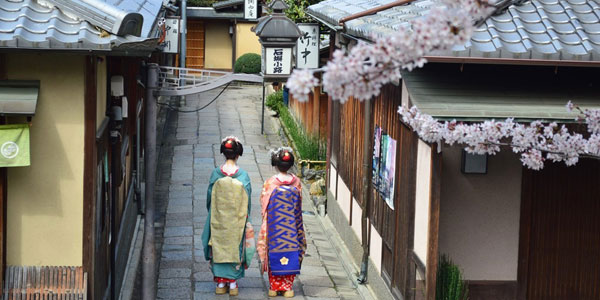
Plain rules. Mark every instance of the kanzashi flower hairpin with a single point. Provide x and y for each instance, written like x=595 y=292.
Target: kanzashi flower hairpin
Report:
x=278 y=151
x=231 y=137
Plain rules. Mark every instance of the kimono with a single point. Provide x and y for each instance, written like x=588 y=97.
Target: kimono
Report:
x=228 y=204
x=281 y=242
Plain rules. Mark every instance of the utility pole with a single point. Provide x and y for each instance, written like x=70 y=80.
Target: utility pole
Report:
x=150 y=157
x=183 y=52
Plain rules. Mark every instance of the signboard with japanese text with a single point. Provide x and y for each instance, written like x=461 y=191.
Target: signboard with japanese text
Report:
x=171 y=36
x=278 y=61
x=250 y=9
x=308 y=47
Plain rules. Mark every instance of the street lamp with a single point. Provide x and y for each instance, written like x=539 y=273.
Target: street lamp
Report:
x=278 y=35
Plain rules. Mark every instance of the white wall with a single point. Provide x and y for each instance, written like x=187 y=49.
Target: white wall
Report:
x=422 y=203
x=357 y=219
x=333 y=180
x=479 y=216
x=375 y=249
x=344 y=197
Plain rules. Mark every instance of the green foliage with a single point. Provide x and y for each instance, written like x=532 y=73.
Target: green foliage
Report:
x=297 y=10
x=274 y=100
x=308 y=147
x=449 y=284
x=248 y=63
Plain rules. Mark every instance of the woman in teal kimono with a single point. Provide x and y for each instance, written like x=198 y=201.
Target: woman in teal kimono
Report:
x=228 y=204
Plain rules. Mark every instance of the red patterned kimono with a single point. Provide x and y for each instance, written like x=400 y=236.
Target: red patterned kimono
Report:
x=278 y=282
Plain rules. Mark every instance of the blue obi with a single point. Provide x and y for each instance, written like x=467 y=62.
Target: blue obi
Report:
x=283 y=228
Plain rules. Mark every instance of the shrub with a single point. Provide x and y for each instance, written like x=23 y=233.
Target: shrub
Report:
x=449 y=284
x=274 y=100
x=248 y=63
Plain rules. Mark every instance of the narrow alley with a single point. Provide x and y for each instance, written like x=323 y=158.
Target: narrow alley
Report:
x=189 y=152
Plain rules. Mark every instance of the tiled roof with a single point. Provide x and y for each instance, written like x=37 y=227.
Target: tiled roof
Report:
x=537 y=29
x=113 y=15
x=228 y=3
x=27 y=24
x=211 y=13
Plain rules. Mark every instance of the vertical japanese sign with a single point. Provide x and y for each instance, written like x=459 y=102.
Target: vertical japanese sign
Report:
x=308 y=47
x=250 y=9
x=170 y=42
x=279 y=61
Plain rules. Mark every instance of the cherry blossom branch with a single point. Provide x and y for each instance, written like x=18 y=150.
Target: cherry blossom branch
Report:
x=369 y=66
x=536 y=142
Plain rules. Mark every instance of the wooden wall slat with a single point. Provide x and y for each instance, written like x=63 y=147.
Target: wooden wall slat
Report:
x=559 y=259
x=29 y=282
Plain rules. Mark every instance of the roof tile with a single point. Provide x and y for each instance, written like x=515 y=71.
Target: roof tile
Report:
x=542 y=29
x=27 y=24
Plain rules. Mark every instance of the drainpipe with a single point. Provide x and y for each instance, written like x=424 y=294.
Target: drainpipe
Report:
x=233 y=43
x=367 y=167
x=149 y=253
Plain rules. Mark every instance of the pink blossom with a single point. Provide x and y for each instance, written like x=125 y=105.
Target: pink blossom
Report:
x=536 y=141
x=367 y=67
x=301 y=83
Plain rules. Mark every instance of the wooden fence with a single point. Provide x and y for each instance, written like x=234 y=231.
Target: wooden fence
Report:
x=311 y=115
x=393 y=225
x=45 y=283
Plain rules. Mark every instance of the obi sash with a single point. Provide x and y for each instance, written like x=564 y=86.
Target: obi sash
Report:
x=283 y=226
x=229 y=212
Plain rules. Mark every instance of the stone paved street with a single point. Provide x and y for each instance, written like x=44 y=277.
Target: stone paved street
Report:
x=183 y=272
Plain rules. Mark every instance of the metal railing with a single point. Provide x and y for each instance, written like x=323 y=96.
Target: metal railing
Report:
x=184 y=81
x=172 y=78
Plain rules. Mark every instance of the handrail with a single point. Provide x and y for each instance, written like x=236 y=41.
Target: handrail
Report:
x=175 y=81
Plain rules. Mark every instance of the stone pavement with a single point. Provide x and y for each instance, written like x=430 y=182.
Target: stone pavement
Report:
x=183 y=272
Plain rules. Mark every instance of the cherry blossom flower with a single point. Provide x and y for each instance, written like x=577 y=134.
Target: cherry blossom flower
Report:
x=367 y=67
x=537 y=141
x=301 y=83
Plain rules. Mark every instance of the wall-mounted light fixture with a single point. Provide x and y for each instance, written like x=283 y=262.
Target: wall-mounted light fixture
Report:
x=473 y=163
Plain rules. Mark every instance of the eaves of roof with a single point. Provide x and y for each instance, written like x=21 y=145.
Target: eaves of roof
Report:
x=27 y=24
x=449 y=91
x=535 y=30
x=211 y=13
x=227 y=3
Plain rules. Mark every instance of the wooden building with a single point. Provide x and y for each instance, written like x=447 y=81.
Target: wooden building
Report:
x=515 y=233
x=77 y=203
x=217 y=36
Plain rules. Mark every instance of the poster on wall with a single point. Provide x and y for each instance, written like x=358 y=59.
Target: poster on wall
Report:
x=376 y=157
x=390 y=172
x=382 y=163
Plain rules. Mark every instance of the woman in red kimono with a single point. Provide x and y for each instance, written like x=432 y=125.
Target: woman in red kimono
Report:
x=281 y=241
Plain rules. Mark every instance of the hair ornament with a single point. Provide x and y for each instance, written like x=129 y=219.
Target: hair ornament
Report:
x=278 y=151
x=229 y=144
x=286 y=156
x=231 y=138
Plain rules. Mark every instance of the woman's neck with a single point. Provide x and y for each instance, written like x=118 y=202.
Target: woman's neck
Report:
x=229 y=167
x=284 y=176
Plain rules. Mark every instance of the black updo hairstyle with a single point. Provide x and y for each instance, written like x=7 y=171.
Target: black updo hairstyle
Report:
x=231 y=148
x=283 y=160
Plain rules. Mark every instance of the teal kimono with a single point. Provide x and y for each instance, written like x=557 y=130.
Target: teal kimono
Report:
x=228 y=202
